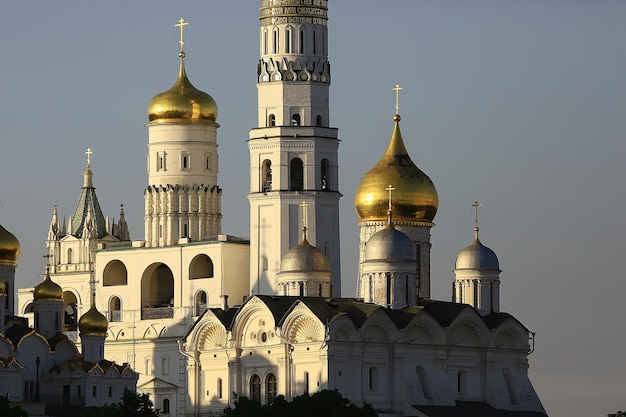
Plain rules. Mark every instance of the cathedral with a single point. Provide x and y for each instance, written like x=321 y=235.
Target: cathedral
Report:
x=202 y=315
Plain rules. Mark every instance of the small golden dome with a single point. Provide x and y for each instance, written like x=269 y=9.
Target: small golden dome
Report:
x=414 y=196
x=48 y=290
x=182 y=103
x=3 y=288
x=93 y=323
x=9 y=246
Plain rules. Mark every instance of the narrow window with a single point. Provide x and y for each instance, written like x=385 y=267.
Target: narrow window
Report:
x=270 y=387
x=325 y=174
x=318 y=121
x=185 y=230
x=508 y=379
x=166 y=406
x=388 y=278
x=110 y=394
x=296 y=171
x=56 y=321
x=373 y=378
x=423 y=379
x=185 y=162
x=160 y=231
x=288 y=40
x=219 y=388
x=266 y=176
x=255 y=388
x=69 y=255
x=460 y=382
x=295 y=120
x=264 y=264
x=301 y=41
x=165 y=365
x=314 y=43
x=302 y=289
x=306 y=382
x=406 y=289
x=271 y=120
x=475 y=285
x=265 y=42
x=94 y=391
x=275 y=42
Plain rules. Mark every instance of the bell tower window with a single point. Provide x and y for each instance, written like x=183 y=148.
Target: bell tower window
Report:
x=318 y=120
x=184 y=161
x=266 y=176
x=301 y=41
x=296 y=175
x=295 y=120
x=325 y=175
x=288 y=40
x=271 y=120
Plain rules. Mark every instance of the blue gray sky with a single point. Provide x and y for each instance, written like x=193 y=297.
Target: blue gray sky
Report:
x=520 y=105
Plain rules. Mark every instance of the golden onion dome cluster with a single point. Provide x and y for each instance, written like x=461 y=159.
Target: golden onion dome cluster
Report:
x=414 y=196
x=9 y=246
x=93 y=323
x=182 y=103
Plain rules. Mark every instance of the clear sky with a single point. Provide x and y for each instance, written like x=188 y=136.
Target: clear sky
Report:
x=520 y=105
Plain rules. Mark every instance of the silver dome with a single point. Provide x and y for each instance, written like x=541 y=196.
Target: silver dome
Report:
x=477 y=256
x=389 y=244
x=304 y=258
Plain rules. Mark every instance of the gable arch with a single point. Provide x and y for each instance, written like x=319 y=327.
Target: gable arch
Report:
x=343 y=329
x=465 y=333
x=253 y=320
x=201 y=266
x=375 y=333
x=509 y=337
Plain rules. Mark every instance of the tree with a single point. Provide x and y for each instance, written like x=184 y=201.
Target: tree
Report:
x=328 y=403
x=6 y=410
x=132 y=405
x=618 y=414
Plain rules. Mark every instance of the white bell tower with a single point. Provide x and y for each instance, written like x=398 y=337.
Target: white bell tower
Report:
x=293 y=151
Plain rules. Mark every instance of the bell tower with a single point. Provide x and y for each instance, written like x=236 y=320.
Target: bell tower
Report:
x=293 y=151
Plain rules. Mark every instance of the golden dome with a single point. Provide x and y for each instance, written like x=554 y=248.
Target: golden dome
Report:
x=414 y=196
x=9 y=246
x=182 y=103
x=93 y=323
x=48 y=290
x=3 y=288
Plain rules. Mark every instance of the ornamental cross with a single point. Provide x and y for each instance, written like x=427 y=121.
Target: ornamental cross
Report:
x=304 y=206
x=390 y=189
x=476 y=205
x=88 y=153
x=397 y=89
x=181 y=24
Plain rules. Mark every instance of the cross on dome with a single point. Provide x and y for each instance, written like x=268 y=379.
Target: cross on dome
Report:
x=88 y=153
x=397 y=89
x=181 y=24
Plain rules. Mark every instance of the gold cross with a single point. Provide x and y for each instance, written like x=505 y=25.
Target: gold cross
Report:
x=390 y=189
x=304 y=206
x=88 y=153
x=181 y=24
x=476 y=205
x=397 y=89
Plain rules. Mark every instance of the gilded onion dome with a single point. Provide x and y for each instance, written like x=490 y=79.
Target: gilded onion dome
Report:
x=48 y=290
x=9 y=246
x=415 y=196
x=182 y=103
x=304 y=258
x=93 y=323
x=477 y=256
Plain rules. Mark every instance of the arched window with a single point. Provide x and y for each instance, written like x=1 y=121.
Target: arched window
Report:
x=115 y=273
x=302 y=41
x=70 y=256
x=265 y=42
x=255 y=388
x=266 y=175
x=201 y=302
x=220 y=393
x=306 y=382
x=185 y=230
x=318 y=120
x=296 y=175
x=325 y=174
x=166 y=406
x=295 y=120
x=388 y=277
x=157 y=292
x=70 y=312
x=201 y=266
x=270 y=388
x=275 y=50
x=271 y=120
x=115 y=309
x=288 y=40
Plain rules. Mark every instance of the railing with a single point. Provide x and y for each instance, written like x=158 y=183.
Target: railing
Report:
x=115 y=315
x=151 y=313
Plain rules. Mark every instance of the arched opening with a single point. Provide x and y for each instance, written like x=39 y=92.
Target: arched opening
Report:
x=271 y=120
x=275 y=50
x=29 y=308
x=201 y=303
x=288 y=40
x=318 y=120
x=295 y=120
x=157 y=292
x=265 y=42
x=115 y=309
x=70 y=312
x=266 y=176
x=70 y=255
x=166 y=406
x=388 y=278
x=185 y=230
x=270 y=388
x=201 y=266
x=325 y=174
x=302 y=41
x=296 y=175
x=115 y=273
x=255 y=388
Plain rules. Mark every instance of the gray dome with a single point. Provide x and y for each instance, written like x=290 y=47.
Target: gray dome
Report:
x=389 y=244
x=304 y=258
x=477 y=256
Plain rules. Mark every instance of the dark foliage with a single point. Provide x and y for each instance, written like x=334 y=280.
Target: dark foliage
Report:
x=132 y=405
x=6 y=410
x=327 y=403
